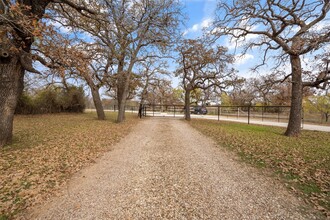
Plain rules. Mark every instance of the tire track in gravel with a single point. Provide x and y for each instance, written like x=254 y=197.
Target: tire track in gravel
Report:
x=164 y=169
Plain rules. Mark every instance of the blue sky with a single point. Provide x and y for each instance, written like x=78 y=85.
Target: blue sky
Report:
x=200 y=14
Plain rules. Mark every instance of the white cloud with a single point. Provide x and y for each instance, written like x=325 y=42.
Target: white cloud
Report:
x=233 y=43
x=185 y=32
x=243 y=58
x=205 y=23
x=195 y=28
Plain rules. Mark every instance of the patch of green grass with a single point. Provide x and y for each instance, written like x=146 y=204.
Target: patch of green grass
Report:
x=303 y=162
x=4 y=217
x=290 y=176
x=310 y=188
x=249 y=158
x=47 y=150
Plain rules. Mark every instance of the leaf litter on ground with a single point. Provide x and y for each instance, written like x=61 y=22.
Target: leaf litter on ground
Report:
x=47 y=150
x=303 y=163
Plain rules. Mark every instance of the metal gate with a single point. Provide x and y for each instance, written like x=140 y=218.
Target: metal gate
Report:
x=163 y=110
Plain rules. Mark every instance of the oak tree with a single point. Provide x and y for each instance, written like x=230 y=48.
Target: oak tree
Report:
x=151 y=74
x=132 y=31
x=284 y=29
x=20 y=27
x=202 y=66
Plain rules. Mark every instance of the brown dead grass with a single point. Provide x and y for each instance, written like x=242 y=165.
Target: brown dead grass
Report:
x=47 y=150
x=303 y=163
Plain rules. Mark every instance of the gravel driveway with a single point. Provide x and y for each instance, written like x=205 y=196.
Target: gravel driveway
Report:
x=164 y=169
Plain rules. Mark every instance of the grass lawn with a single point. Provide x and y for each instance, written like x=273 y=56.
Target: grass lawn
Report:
x=47 y=150
x=303 y=163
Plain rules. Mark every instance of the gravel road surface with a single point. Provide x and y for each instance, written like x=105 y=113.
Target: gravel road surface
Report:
x=164 y=169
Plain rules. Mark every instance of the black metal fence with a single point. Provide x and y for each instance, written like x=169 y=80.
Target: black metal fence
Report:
x=269 y=113
x=246 y=113
x=114 y=108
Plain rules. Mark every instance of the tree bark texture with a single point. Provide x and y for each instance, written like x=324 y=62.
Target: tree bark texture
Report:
x=187 y=105
x=12 y=71
x=11 y=86
x=122 y=90
x=96 y=97
x=121 y=96
x=97 y=103
x=294 y=126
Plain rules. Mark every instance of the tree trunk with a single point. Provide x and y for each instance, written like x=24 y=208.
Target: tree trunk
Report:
x=96 y=97
x=12 y=71
x=122 y=90
x=121 y=97
x=294 y=126
x=144 y=91
x=161 y=104
x=187 y=105
x=11 y=86
x=97 y=103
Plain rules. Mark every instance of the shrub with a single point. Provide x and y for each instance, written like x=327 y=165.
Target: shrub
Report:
x=47 y=101
x=73 y=99
x=52 y=100
x=25 y=104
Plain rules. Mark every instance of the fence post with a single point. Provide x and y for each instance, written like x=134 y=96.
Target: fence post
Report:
x=114 y=108
x=249 y=114
x=218 y=113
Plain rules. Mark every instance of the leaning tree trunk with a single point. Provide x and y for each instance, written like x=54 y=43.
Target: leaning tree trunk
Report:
x=294 y=126
x=96 y=97
x=97 y=103
x=11 y=86
x=187 y=105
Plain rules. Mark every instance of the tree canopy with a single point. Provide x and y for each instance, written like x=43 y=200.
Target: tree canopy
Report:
x=284 y=30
